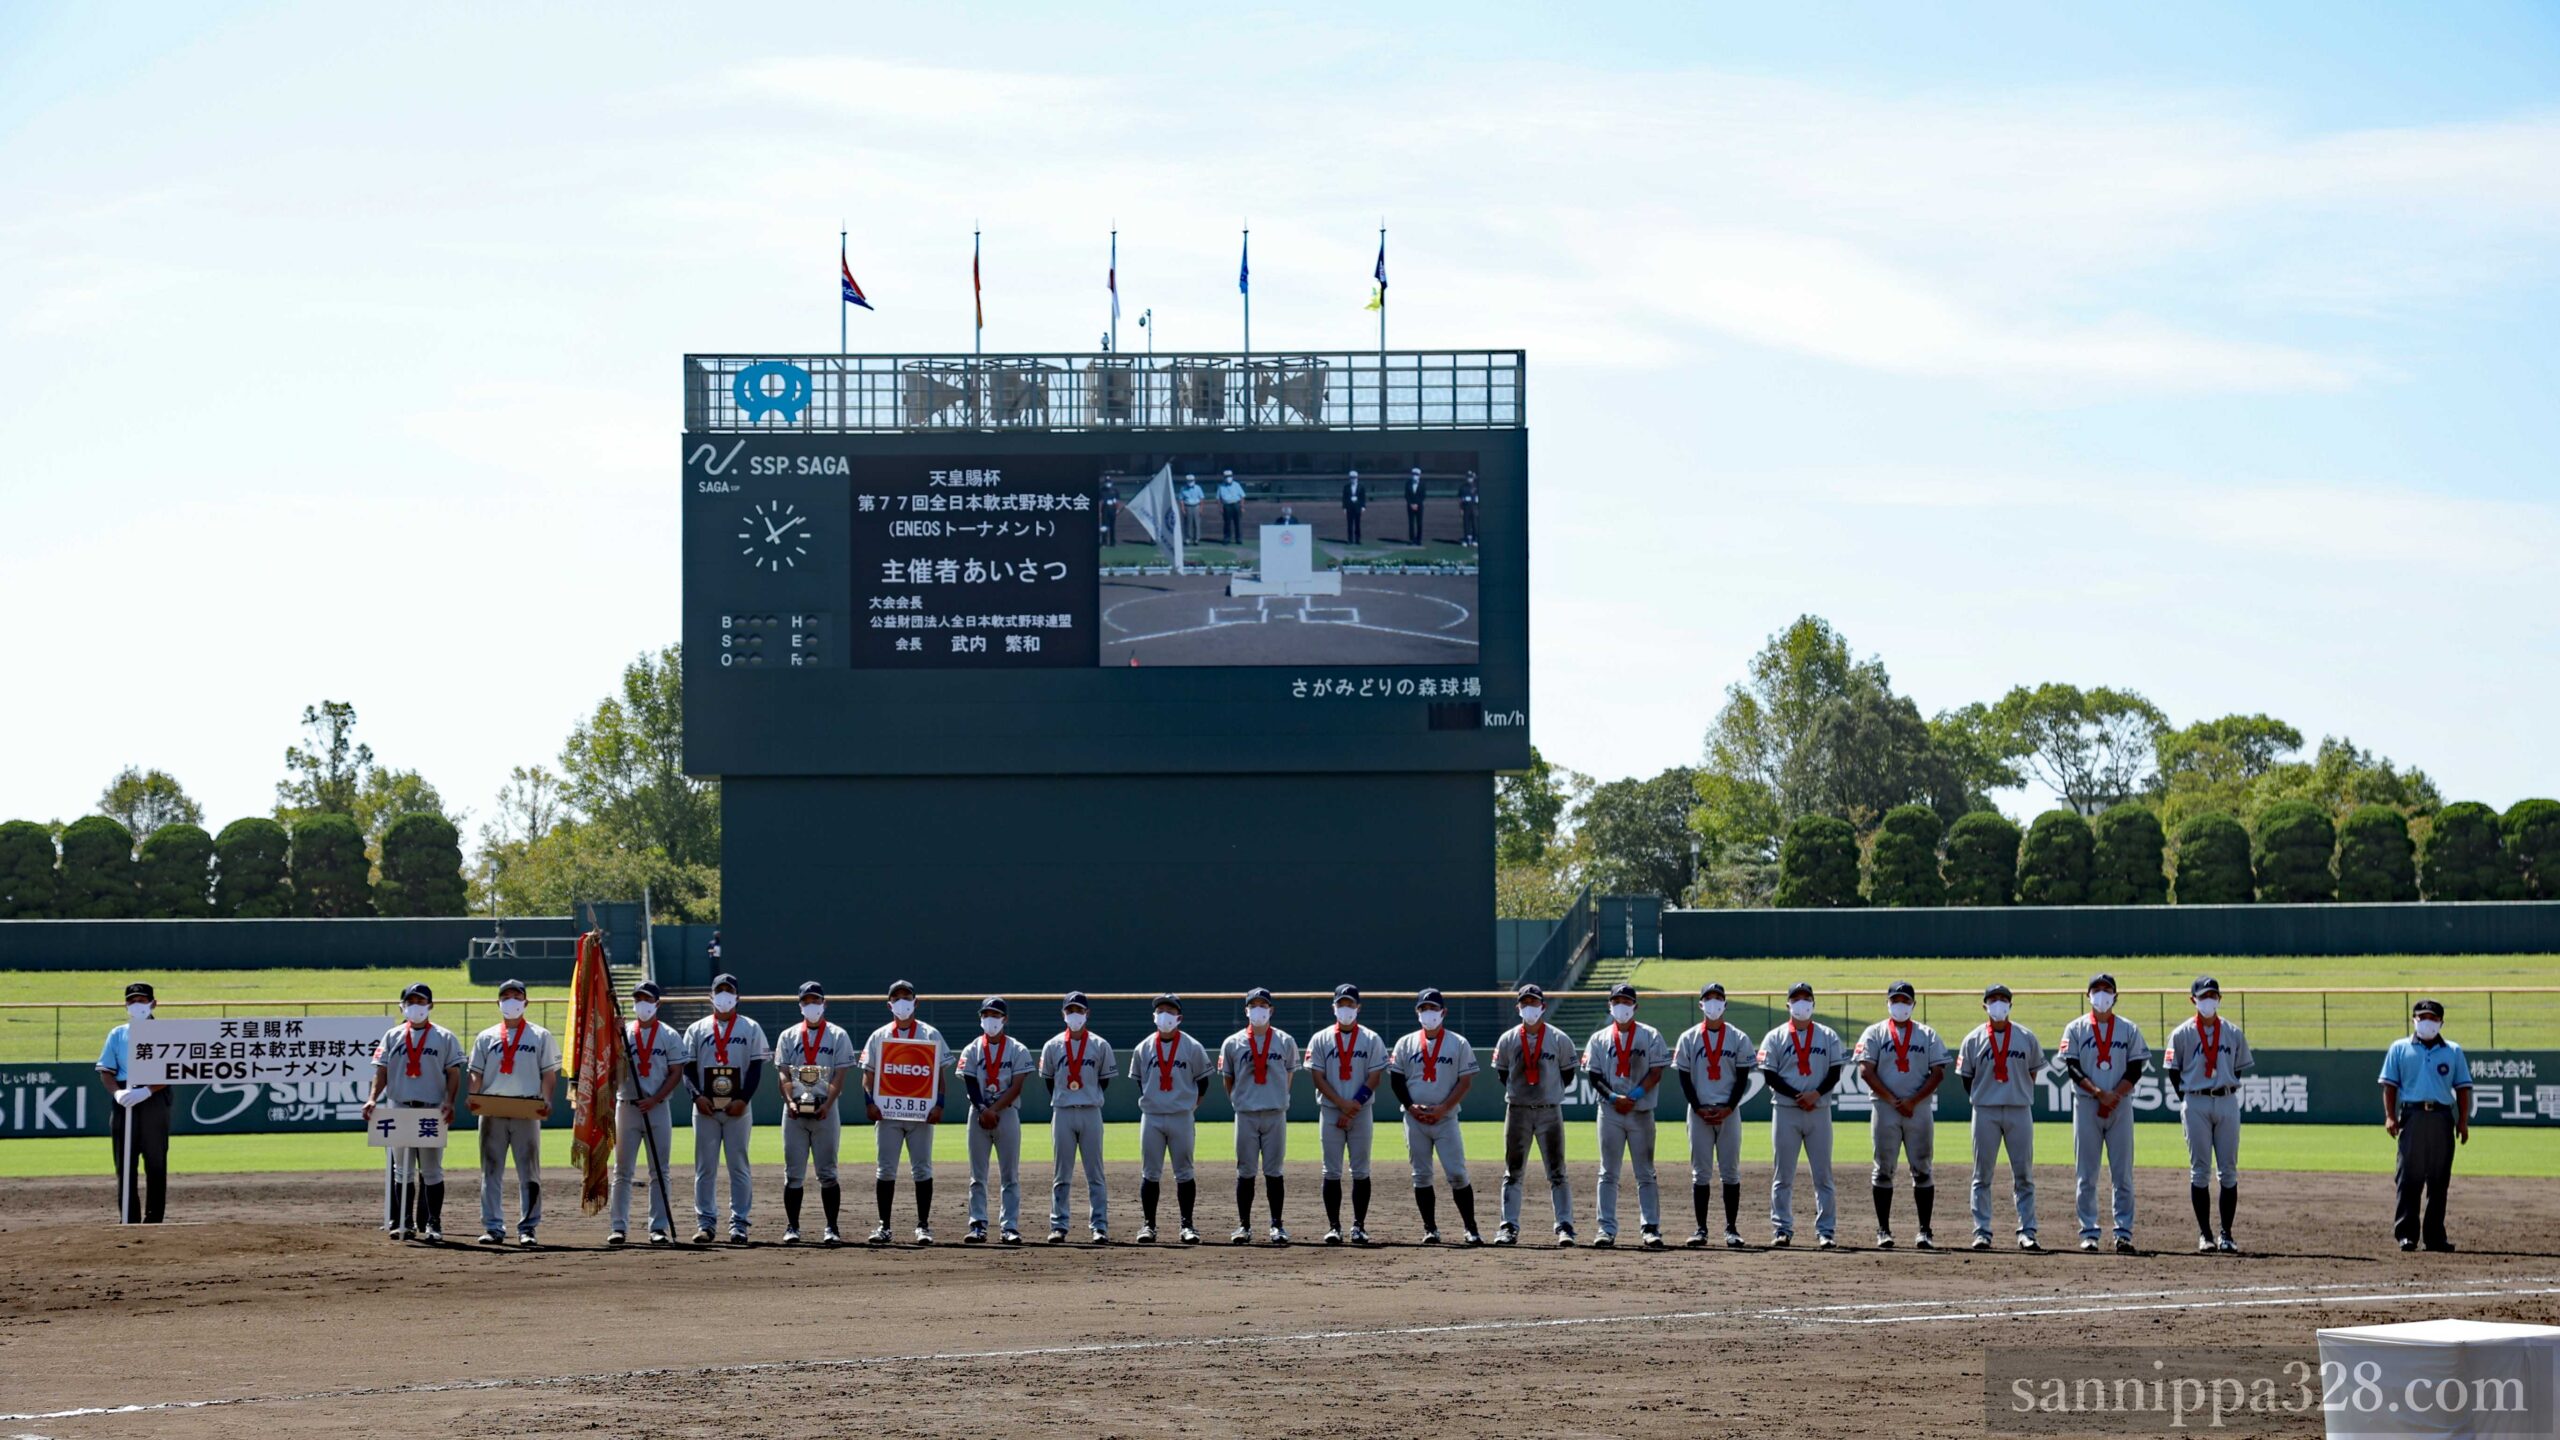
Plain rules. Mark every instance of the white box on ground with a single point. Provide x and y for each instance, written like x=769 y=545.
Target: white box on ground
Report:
x=2449 y=1378
x=1288 y=566
x=402 y=1128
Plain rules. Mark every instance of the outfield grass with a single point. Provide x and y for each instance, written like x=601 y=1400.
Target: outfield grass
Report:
x=76 y=1033
x=1853 y=990
x=2345 y=1149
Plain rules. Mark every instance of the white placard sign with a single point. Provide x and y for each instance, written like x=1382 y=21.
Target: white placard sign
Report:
x=283 y=1050
x=407 y=1127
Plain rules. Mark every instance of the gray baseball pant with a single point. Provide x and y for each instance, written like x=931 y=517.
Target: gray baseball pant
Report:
x=1075 y=1131
x=716 y=1135
x=1898 y=1135
x=912 y=1136
x=1625 y=1137
x=628 y=1147
x=1443 y=1139
x=1806 y=1133
x=1544 y=1124
x=2089 y=1135
x=1356 y=1140
x=1262 y=1139
x=1993 y=1127
x=2212 y=1123
x=1006 y=1142
x=1715 y=1151
x=1160 y=1134
x=500 y=1137
x=803 y=1135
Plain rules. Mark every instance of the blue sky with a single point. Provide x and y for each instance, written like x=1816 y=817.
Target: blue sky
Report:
x=2205 y=350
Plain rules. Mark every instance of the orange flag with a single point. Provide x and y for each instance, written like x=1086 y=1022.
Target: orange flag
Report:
x=595 y=1071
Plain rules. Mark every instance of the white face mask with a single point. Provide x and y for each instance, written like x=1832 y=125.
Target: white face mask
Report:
x=723 y=1001
x=1622 y=1012
x=1167 y=1022
x=1430 y=1018
x=1258 y=1015
x=1997 y=1009
x=813 y=1013
x=1532 y=1014
x=1712 y=1009
x=903 y=1009
x=414 y=1014
x=2101 y=1001
x=1800 y=1009
x=1899 y=1009
x=1346 y=1014
x=2208 y=1006
x=2429 y=1029
x=992 y=1024
x=138 y=1010
x=644 y=1009
x=1075 y=1021
x=512 y=1009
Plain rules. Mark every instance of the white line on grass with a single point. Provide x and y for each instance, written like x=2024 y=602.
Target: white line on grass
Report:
x=2263 y=1295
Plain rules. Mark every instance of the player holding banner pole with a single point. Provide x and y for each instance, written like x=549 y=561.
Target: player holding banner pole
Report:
x=896 y=1125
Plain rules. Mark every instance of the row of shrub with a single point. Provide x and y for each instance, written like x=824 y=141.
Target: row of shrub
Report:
x=255 y=869
x=2297 y=855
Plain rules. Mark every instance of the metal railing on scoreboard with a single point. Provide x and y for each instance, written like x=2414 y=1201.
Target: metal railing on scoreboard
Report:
x=1338 y=390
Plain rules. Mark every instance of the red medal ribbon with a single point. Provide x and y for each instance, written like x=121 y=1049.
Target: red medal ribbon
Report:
x=1529 y=1058
x=1261 y=1054
x=409 y=1042
x=1345 y=1055
x=813 y=1038
x=720 y=1032
x=1431 y=1057
x=1713 y=1034
x=2212 y=1039
x=1075 y=1048
x=991 y=1049
x=511 y=1032
x=644 y=1043
x=1167 y=1044
x=2000 y=1050
x=2106 y=1037
x=1623 y=1045
x=1801 y=1032
x=1901 y=1044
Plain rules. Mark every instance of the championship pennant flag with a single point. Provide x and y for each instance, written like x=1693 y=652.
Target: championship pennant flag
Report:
x=852 y=293
x=1378 y=291
x=1159 y=512
x=595 y=1071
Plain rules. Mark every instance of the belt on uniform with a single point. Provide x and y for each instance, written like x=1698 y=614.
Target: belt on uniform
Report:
x=2218 y=1090
x=2426 y=1105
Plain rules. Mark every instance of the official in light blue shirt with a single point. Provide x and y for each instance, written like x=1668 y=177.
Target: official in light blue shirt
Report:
x=2426 y=1072
x=143 y=1108
x=2426 y=1107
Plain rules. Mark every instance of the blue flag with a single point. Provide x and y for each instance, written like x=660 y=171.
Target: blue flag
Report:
x=1244 y=267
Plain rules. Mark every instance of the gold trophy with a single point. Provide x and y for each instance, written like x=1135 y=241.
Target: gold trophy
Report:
x=806 y=1090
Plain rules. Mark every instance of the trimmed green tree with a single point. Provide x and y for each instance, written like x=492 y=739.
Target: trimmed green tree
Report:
x=332 y=876
x=2465 y=857
x=2053 y=866
x=2130 y=866
x=2213 y=863
x=2292 y=852
x=99 y=881
x=421 y=867
x=2532 y=832
x=251 y=875
x=177 y=873
x=1818 y=864
x=2375 y=859
x=1902 y=863
x=28 y=888
x=1982 y=859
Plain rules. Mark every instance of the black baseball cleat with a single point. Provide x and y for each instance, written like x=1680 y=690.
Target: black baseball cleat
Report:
x=492 y=1237
x=616 y=1240
x=1697 y=1240
x=1604 y=1241
x=1981 y=1241
x=1359 y=1236
x=2439 y=1247
x=1781 y=1240
x=791 y=1236
x=2228 y=1246
x=977 y=1235
x=661 y=1237
x=1510 y=1235
x=1733 y=1239
x=2204 y=1245
x=2089 y=1243
x=2028 y=1242
x=1333 y=1237
x=1278 y=1236
x=702 y=1237
x=1243 y=1235
x=831 y=1239
x=2408 y=1245
x=1565 y=1237
x=1146 y=1235
x=1430 y=1237
x=1010 y=1237
x=1826 y=1243
x=879 y=1234
x=1884 y=1240
x=1057 y=1237
x=1189 y=1236
x=1924 y=1241
x=1473 y=1239
x=1652 y=1238
x=737 y=1237
x=2124 y=1245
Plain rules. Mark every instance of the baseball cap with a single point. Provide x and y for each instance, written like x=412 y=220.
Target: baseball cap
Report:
x=1802 y=989
x=646 y=990
x=2102 y=978
x=506 y=985
x=1995 y=991
x=1169 y=1001
x=895 y=986
x=2428 y=1007
x=1257 y=993
x=812 y=990
x=1429 y=997
x=1622 y=991
x=1075 y=1001
x=1712 y=990
x=992 y=1005
x=725 y=982
x=2205 y=985
x=1900 y=990
x=418 y=993
x=139 y=990
x=1529 y=992
x=1346 y=992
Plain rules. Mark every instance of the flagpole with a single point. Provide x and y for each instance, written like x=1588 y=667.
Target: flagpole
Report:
x=1245 y=284
x=845 y=260
x=1115 y=290
x=1382 y=324
x=977 y=301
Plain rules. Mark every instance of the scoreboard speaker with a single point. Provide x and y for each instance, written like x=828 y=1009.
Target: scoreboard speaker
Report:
x=1200 y=393
x=930 y=394
x=1295 y=387
x=1019 y=394
x=1111 y=391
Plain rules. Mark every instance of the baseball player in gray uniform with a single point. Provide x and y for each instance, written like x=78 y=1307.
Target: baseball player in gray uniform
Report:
x=1624 y=1060
x=518 y=1060
x=915 y=1137
x=1171 y=1071
x=1716 y=1062
x=1076 y=1066
x=1998 y=1062
x=814 y=1042
x=992 y=1069
x=1431 y=1070
x=2104 y=1054
x=1258 y=1062
x=1804 y=1061
x=2207 y=1057
x=418 y=1065
x=725 y=1054
x=1346 y=1059
x=1903 y=1062
x=643 y=1119
x=1534 y=1061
